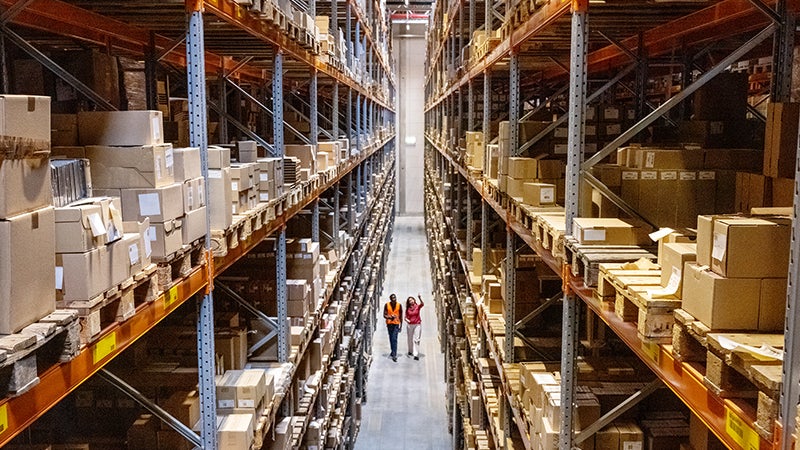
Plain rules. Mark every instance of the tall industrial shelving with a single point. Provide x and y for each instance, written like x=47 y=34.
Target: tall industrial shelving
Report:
x=570 y=54
x=253 y=57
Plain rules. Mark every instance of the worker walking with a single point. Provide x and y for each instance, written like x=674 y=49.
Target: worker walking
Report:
x=414 y=322
x=393 y=313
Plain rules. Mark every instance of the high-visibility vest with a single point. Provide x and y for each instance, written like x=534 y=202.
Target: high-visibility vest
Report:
x=395 y=313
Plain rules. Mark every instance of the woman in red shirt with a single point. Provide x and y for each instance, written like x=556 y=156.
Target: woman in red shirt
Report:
x=414 y=322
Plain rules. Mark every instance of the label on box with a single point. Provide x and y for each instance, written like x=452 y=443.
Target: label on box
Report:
x=649 y=175
x=720 y=244
x=96 y=223
x=591 y=234
x=547 y=195
x=611 y=113
x=156 y=124
x=158 y=167
x=116 y=217
x=669 y=175
x=716 y=127
x=59 y=277
x=233 y=209
x=201 y=193
x=169 y=159
x=649 y=159
x=707 y=175
x=149 y=204
x=688 y=176
x=263 y=196
x=613 y=129
x=629 y=175
x=190 y=199
x=215 y=173
x=133 y=253
x=148 y=249
x=245 y=403
x=263 y=176
x=226 y=403
x=235 y=186
x=151 y=234
x=631 y=445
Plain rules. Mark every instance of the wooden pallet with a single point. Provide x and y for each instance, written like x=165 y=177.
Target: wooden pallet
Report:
x=733 y=372
x=180 y=263
x=586 y=259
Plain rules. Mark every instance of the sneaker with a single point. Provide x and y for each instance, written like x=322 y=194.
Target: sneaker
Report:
x=409 y=353
x=416 y=358
x=394 y=358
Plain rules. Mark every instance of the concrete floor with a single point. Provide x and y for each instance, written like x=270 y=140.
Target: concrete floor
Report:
x=405 y=406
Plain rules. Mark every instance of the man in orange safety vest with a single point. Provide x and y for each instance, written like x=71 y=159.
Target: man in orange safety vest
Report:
x=393 y=313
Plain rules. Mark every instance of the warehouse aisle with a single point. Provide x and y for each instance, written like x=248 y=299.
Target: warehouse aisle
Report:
x=405 y=406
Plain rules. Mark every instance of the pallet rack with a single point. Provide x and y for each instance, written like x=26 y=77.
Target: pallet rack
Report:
x=252 y=56
x=564 y=47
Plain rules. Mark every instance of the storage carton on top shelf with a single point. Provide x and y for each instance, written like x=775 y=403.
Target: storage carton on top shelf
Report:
x=27 y=269
x=120 y=128
x=750 y=247
x=147 y=166
x=608 y=231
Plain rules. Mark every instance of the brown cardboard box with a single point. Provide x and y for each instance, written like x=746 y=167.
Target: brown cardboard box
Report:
x=607 y=231
x=750 y=248
x=648 y=194
x=307 y=154
x=27 y=268
x=236 y=432
x=670 y=159
x=725 y=201
x=79 y=228
x=219 y=198
x=539 y=194
x=27 y=117
x=149 y=166
x=187 y=163
x=550 y=168
x=721 y=303
x=123 y=128
x=219 y=157
x=782 y=192
x=24 y=185
x=184 y=406
x=82 y=276
x=780 y=139
x=64 y=130
x=744 y=159
x=629 y=187
x=159 y=204
x=752 y=191
x=630 y=435
x=607 y=438
x=143 y=249
x=165 y=238
x=124 y=257
x=667 y=202
x=243 y=176
x=193 y=225
x=772 y=305
x=194 y=195
x=675 y=256
x=522 y=168
x=515 y=187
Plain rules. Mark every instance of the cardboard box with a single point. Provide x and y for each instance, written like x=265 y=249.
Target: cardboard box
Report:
x=219 y=157
x=123 y=255
x=673 y=259
x=64 y=130
x=515 y=187
x=187 y=163
x=772 y=305
x=539 y=194
x=120 y=128
x=219 y=198
x=607 y=231
x=721 y=303
x=149 y=166
x=24 y=185
x=193 y=225
x=243 y=176
x=143 y=249
x=307 y=154
x=248 y=151
x=780 y=139
x=655 y=158
x=194 y=194
x=236 y=432
x=630 y=436
x=522 y=168
x=26 y=117
x=27 y=268
x=159 y=204
x=750 y=248
x=79 y=229
x=82 y=276
x=165 y=237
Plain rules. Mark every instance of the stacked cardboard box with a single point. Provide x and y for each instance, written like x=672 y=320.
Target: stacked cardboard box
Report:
x=307 y=156
x=303 y=263
x=475 y=147
x=245 y=181
x=270 y=179
x=187 y=171
x=739 y=280
x=27 y=220
x=220 y=193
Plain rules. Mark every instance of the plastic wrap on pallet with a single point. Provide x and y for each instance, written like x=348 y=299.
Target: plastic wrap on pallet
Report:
x=71 y=180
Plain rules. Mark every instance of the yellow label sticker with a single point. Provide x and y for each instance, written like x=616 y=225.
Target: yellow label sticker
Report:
x=104 y=347
x=740 y=432
x=652 y=350
x=171 y=296
x=3 y=418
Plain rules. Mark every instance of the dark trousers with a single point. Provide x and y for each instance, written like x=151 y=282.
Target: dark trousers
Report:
x=394 y=330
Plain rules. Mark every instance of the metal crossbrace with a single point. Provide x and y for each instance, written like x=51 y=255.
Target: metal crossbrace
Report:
x=170 y=48
x=750 y=108
x=264 y=107
x=539 y=310
x=297 y=97
x=560 y=91
x=774 y=16
x=673 y=101
x=59 y=71
x=13 y=11
x=307 y=119
x=619 y=410
x=653 y=107
x=237 y=67
x=153 y=408
x=613 y=197
x=245 y=304
x=241 y=127
x=619 y=45
x=564 y=117
x=531 y=345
